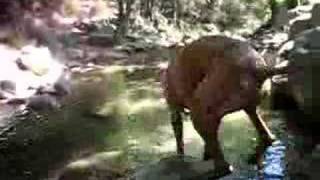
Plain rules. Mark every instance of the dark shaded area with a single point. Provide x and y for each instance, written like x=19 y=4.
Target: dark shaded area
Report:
x=39 y=147
x=297 y=121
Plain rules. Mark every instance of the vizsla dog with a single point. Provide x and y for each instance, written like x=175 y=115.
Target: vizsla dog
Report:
x=211 y=77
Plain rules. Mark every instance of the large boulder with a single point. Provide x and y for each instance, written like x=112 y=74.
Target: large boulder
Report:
x=315 y=19
x=305 y=19
x=305 y=57
x=300 y=93
x=298 y=97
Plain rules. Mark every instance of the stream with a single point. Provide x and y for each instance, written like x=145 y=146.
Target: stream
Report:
x=117 y=121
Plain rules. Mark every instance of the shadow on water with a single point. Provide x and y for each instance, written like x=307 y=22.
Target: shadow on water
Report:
x=118 y=109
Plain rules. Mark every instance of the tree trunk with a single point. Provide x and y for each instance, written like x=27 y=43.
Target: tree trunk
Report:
x=150 y=4
x=125 y=9
x=146 y=8
x=178 y=11
x=211 y=4
x=279 y=13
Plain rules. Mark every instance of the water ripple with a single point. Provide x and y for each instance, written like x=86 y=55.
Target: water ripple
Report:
x=274 y=162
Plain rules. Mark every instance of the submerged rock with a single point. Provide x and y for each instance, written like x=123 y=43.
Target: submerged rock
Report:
x=101 y=166
x=299 y=100
x=305 y=21
x=174 y=168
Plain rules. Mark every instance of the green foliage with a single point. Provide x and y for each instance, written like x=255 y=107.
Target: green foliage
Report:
x=167 y=18
x=288 y=3
x=231 y=14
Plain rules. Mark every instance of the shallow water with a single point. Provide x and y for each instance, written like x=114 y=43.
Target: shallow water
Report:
x=274 y=162
x=119 y=110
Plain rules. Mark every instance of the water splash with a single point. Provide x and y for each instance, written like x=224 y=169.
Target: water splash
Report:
x=274 y=162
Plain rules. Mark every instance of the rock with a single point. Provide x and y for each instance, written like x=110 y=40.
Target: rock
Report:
x=43 y=102
x=32 y=77
x=105 y=40
x=299 y=26
x=299 y=10
x=35 y=59
x=116 y=55
x=75 y=54
x=8 y=86
x=174 y=168
x=299 y=100
x=306 y=56
x=101 y=166
x=315 y=19
x=307 y=19
x=302 y=165
x=298 y=97
x=7 y=89
x=62 y=86
x=88 y=174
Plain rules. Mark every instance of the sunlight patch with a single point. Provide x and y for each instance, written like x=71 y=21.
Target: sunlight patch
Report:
x=42 y=69
x=104 y=159
x=143 y=104
x=80 y=164
x=117 y=107
x=236 y=116
x=113 y=69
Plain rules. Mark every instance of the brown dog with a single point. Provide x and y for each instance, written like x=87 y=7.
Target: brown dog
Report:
x=211 y=77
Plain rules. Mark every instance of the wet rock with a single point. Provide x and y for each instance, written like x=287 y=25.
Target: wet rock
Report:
x=174 y=168
x=75 y=54
x=35 y=59
x=62 y=86
x=8 y=86
x=105 y=40
x=299 y=26
x=112 y=54
x=21 y=65
x=299 y=10
x=301 y=165
x=88 y=174
x=315 y=19
x=299 y=96
x=101 y=166
x=2 y=95
x=305 y=56
x=308 y=19
x=43 y=102
x=16 y=101
x=33 y=77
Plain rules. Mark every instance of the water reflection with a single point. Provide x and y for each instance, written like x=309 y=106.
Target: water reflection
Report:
x=274 y=162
